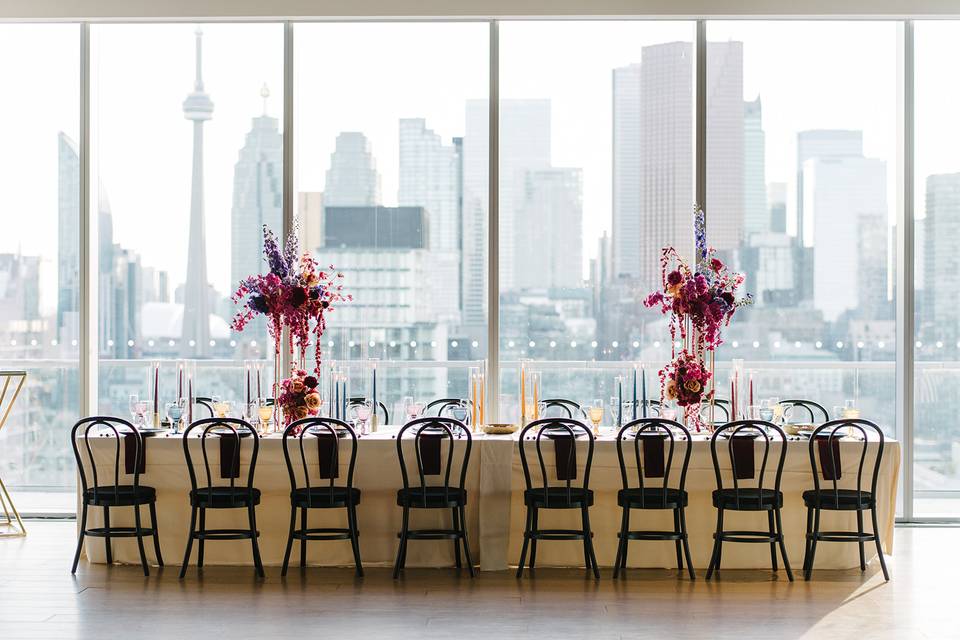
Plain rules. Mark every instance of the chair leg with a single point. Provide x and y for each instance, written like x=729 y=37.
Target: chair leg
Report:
x=863 y=561
x=876 y=538
x=686 y=544
x=773 y=541
x=588 y=543
x=535 y=526
x=83 y=532
x=626 y=545
x=286 y=553
x=156 y=533
x=676 y=530
x=139 y=526
x=354 y=538
x=806 y=546
x=303 y=540
x=813 y=544
x=526 y=540
x=253 y=540
x=402 y=547
x=783 y=546
x=456 y=541
x=106 y=538
x=715 y=556
x=466 y=545
x=200 y=541
x=190 y=536
x=621 y=543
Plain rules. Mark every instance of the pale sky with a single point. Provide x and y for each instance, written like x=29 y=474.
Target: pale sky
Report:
x=366 y=76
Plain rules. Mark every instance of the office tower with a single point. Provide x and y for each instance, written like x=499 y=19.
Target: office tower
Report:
x=847 y=198
x=310 y=219
x=198 y=108
x=68 y=239
x=756 y=215
x=941 y=260
x=777 y=200
x=626 y=195
x=820 y=143
x=352 y=179
x=429 y=178
x=257 y=201
x=548 y=230
x=725 y=146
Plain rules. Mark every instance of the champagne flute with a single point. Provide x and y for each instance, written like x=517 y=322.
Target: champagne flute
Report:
x=595 y=414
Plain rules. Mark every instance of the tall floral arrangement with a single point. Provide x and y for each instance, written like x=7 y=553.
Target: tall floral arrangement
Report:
x=294 y=293
x=700 y=302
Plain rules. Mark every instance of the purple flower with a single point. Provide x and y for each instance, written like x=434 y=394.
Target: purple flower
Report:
x=258 y=303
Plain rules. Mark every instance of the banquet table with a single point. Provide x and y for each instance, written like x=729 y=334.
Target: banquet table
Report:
x=495 y=510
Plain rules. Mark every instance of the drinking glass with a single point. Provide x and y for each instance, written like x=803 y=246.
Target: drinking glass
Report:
x=778 y=409
x=266 y=413
x=850 y=410
x=837 y=412
x=667 y=412
x=413 y=409
x=766 y=410
x=175 y=413
x=595 y=413
x=134 y=400
x=614 y=406
x=363 y=415
x=142 y=406
x=459 y=412
x=251 y=412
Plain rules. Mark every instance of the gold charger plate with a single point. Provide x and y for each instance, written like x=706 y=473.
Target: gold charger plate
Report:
x=500 y=429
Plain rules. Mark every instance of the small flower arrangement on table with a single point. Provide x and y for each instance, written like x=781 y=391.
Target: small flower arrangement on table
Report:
x=299 y=397
x=685 y=380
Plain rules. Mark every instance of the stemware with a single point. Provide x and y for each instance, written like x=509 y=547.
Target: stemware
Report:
x=175 y=413
x=265 y=412
x=362 y=411
x=850 y=410
x=413 y=409
x=595 y=413
x=142 y=406
x=778 y=409
x=132 y=406
x=459 y=412
x=614 y=406
x=766 y=410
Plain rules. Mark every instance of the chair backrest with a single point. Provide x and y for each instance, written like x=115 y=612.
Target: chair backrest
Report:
x=120 y=429
x=563 y=432
x=381 y=408
x=743 y=434
x=825 y=440
x=228 y=429
x=818 y=413
x=721 y=410
x=563 y=407
x=320 y=428
x=658 y=430
x=206 y=403
x=443 y=406
x=442 y=429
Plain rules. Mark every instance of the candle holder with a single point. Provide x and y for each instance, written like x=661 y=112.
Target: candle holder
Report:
x=523 y=392
x=535 y=377
x=155 y=384
x=374 y=418
x=473 y=395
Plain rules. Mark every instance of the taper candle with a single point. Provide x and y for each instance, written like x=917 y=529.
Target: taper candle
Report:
x=643 y=375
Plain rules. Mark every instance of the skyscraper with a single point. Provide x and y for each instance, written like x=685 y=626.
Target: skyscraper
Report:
x=820 y=143
x=725 y=146
x=429 y=178
x=941 y=260
x=68 y=239
x=627 y=198
x=257 y=201
x=197 y=108
x=756 y=215
x=549 y=230
x=473 y=215
x=352 y=179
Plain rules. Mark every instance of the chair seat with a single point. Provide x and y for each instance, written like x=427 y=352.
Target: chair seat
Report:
x=432 y=497
x=558 y=498
x=223 y=497
x=749 y=499
x=119 y=496
x=842 y=500
x=651 y=498
x=325 y=497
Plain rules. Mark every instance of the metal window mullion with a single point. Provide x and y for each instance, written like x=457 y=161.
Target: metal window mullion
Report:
x=700 y=117
x=493 y=228
x=287 y=201
x=88 y=237
x=905 y=266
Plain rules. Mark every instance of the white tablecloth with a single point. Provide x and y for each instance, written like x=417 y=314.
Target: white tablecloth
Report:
x=495 y=512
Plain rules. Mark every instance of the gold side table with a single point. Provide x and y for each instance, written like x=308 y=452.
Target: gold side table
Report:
x=11 y=382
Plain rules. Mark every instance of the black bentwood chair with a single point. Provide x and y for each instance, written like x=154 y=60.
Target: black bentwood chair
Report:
x=721 y=411
x=323 y=495
x=562 y=408
x=653 y=433
x=741 y=436
x=825 y=442
x=116 y=494
x=563 y=432
x=817 y=412
x=384 y=415
x=228 y=432
x=206 y=403
x=429 y=435
x=445 y=407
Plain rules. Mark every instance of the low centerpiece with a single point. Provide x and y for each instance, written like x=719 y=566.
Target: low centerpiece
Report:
x=299 y=396
x=700 y=301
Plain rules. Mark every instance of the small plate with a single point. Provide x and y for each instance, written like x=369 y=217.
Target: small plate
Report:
x=147 y=433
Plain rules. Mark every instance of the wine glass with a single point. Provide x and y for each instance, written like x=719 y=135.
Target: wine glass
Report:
x=614 y=405
x=459 y=412
x=251 y=412
x=175 y=413
x=266 y=413
x=850 y=410
x=778 y=409
x=134 y=400
x=595 y=413
x=766 y=410
x=413 y=409
x=362 y=410
x=142 y=406
x=667 y=412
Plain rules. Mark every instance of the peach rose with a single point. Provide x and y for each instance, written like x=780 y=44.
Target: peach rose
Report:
x=297 y=386
x=671 y=390
x=692 y=386
x=300 y=413
x=312 y=400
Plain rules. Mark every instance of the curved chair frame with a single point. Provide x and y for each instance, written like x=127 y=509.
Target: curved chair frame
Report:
x=568 y=497
x=327 y=498
x=830 y=499
x=743 y=498
x=381 y=408
x=810 y=406
x=206 y=425
x=100 y=495
x=570 y=406
x=679 y=532
x=447 y=403
x=447 y=499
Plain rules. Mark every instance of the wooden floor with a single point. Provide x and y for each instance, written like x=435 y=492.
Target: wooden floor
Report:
x=40 y=599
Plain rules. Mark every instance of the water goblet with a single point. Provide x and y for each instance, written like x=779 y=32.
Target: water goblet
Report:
x=174 y=414
x=142 y=406
x=459 y=412
x=132 y=406
x=595 y=413
x=413 y=410
x=265 y=412
x=614 y=407
x=362 y=411
x=766 y=410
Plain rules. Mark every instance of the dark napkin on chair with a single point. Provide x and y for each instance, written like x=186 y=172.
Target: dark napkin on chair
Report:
x=565 y=454
x=653 y=463
x=830 y=471
x=229 y=457
x=328 y=446
x=429 y=444
x=743 y=459
x=130 y=453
